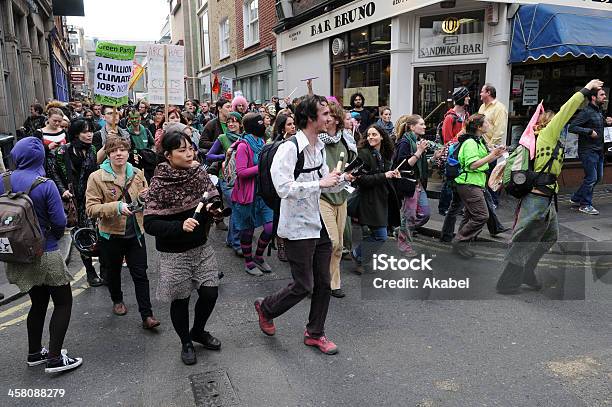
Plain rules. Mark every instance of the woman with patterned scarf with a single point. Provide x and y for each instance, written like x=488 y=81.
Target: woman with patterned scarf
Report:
x=410 y=154
x=249 y=209
x=188 y=262
x=70 y=167
x=333 y=205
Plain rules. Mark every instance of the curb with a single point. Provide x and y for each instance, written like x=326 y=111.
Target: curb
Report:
x=13 y=293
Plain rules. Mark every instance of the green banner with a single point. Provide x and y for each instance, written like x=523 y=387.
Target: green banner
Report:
x=113 y=72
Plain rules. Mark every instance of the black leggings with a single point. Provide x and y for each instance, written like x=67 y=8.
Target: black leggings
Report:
x=62 y=307
x=179 y=312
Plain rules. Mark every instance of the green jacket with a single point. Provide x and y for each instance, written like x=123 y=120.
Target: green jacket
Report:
x=548 y=137
x=332 y=153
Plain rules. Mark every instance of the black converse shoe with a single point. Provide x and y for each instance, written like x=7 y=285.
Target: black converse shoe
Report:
x=188 y=355
x=38 y=358
x=62 y=363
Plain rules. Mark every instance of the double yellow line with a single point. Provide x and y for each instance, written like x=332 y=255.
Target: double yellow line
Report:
x=75 y=291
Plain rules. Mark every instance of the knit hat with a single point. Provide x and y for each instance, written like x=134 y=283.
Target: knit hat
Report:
x=236 y=116
x=459 y=95
x=239 y=100
x=356 y=115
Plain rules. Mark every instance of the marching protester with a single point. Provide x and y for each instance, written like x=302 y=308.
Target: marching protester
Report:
x=35 y=121
x=452 y=126
x=47 y=277
x=497 y=116
x=333 y=204
x=306 y=242
x=385 y=122
x=410 y=154
x=216 y=126
x=218 y=153
x=174 y=116
x=98 y=118
x=589 y=126
x=204 y=115
x=53 y=134
x=249 y=210
x=284 y=127
x=378 y=203
x=100 y=136
x=146 y=118
x=537 y=228
x=73 y=163
x=357 y=102
x=187 y=261
x=114 y=194
x=240 y=105
x=474 y=159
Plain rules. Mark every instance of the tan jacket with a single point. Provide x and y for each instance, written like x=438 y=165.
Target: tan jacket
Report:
x=102 y=196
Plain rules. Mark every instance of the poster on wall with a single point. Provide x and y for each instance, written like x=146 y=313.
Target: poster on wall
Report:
x=113 y=73
x=607 y=134
x=570 y=145
x=517 y=85
x=530 y=92
x=370 y=94
x=226 y=88
x=175 y=72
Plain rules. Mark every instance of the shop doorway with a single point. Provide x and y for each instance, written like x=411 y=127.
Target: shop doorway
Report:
x=433 y=88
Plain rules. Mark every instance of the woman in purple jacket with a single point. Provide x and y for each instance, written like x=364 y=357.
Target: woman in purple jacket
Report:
x=249 y=210
x=47 y=277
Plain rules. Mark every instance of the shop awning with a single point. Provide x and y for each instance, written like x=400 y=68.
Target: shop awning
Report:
x=541 y=31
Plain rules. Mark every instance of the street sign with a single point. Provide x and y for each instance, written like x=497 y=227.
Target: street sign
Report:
x=77 y=77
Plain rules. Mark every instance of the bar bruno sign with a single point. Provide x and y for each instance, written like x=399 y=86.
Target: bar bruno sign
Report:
x=353 y=15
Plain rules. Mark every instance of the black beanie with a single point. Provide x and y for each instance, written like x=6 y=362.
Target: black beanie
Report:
x=253 y=123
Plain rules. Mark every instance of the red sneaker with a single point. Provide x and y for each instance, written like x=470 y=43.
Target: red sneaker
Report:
x=266 y=325
x=325 y=345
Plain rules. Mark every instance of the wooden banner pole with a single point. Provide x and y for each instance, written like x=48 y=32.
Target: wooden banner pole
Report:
x=114 y=120
x=166 y=81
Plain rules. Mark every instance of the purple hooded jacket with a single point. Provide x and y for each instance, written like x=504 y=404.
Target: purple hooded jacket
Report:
x=29 y=158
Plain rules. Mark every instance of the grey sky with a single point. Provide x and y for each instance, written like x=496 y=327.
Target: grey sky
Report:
x=135 y=20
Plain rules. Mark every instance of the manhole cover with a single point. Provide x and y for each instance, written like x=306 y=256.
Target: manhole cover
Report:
x=213 y=389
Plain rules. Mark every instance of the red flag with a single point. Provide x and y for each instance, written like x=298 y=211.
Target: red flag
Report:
x=216 y=88
x=528 y=138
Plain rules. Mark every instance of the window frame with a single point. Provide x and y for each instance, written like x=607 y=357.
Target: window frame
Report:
x=223 y=37
x=249 y=24
x=204 y=37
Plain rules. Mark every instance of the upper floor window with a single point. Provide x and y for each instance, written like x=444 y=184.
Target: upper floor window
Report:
x=251 y=22
x=224 y=38
x=204 y=39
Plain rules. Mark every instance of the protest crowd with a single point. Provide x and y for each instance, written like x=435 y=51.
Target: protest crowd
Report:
x=298 y=175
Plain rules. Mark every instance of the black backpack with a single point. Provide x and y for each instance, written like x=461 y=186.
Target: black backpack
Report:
x=439 y=136
x=265 y=186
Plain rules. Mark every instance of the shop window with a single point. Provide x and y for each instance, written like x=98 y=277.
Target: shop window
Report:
x=380 y=36
x=224 y=38
x=251 y=22
x=359 y=41
x=451 y=35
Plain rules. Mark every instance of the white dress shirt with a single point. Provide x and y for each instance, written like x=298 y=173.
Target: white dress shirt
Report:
x=300 y=214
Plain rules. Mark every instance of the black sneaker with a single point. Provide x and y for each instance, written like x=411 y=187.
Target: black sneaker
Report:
x=205 y=339
x=338 y=293
x=188 y=355
x=38 y=358
x=62 y=363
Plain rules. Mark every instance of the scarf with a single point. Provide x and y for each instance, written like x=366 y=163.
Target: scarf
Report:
x=380 y=164
x=174 y=190
x=78 y=151
x=232 y=137
x=388 y=126
x=327 y=139
x=422 y=163
x=256 y=145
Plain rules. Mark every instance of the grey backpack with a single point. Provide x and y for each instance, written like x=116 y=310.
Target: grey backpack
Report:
x=21 y=240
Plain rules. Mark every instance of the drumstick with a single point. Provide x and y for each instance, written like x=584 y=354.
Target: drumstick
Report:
x=400 y=164
x=201 y=204
x=339 y=165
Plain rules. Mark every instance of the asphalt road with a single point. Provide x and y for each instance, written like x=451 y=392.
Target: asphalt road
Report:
x=524 y=350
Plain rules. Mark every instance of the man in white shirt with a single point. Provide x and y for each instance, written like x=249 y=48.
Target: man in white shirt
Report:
x=307 y=243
